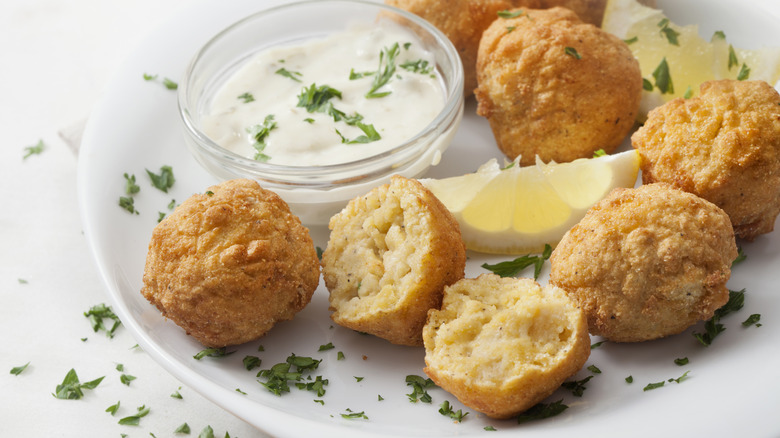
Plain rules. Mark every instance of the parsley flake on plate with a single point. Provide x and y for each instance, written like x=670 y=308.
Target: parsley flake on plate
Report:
x=20 y=369
x=419 y=386
x=72 y=389
x=96 y=314
x=164 y=180
x=446 y=410
x=542 y=410
x=135 y=419
x=36 y=149
x=514 y=267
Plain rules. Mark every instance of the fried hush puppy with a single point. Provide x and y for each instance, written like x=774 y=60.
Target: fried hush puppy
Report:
x=723 y=146
x=229 y=264
x=389 y=256
x=464 y=21
x=501 y=345
x=553 y=86
x=646 y=263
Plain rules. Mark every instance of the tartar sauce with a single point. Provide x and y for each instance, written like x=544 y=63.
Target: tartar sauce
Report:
x=342 y=98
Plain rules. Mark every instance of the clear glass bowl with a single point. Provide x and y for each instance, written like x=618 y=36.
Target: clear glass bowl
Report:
x=315 y=193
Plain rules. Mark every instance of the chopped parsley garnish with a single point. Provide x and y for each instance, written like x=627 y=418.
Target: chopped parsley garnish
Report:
x=37 y=149
x=213 y=352
x=20 y=369
x=247 y=97
x=148 y=77
x=744 y=73
x=251 y=362
x=369 y=135
x=128 y=204
x=134 y=420
x=631 y=40
x=315 y=99
x=319 y=254
x=71 y=388
x=688 y=93
x=733 y=60
x=385 y=71
x=599 y=153
x=489 y=428
x=164 y=180
x=131 y=187
x=419 y=386
x=278 y=376
x=718 y=35
x=681 y=361
x=420 y=66
x=597 y=345
x=577 y=387
x=317 y=386
x=289 y=74
x=176 y=394
x=354 y=415
x=510 y=29
x=741 y=256
x=446 y=410
x=340 y=356
x=353 y=75
x=712 y=326
x=97 y=313
x=571 y=51
x=663 y=79
x=238 y=390
x=207 y=432
x=169 y=84
x=670 y=34
x=113 y=408
x=510 y=14
x=752 y=320
x=126 y=379
x=594 y=369
x=358 y=379
x=514 y=267
x=651 y=386
x=22 y=281
x=647 y=85
x=260 y=133
x=184 y=428
x=542 y=410
x=630 y=379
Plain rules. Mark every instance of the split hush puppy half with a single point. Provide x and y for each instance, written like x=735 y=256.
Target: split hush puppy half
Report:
x=724 y=146
x=229 y=264
x=646 y=263
x=389 y=256
x=553 y=86
x=501 y=345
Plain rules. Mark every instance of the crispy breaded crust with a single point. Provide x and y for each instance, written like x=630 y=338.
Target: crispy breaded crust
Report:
x=724 y=146
x=553 y=86
x=390 y=254
x=646 y=263
x=463 y=21
x=501 y=345
x=229 y=264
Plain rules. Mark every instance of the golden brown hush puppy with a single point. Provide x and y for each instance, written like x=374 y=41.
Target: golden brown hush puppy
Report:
x=389 y=256
x=463 y=21
x=229 y=264
x=501 y=345
x=724 y=146
x=646 y=263
x=553 y=86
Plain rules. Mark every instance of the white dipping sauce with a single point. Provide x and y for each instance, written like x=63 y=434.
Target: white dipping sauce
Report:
x=302 y=138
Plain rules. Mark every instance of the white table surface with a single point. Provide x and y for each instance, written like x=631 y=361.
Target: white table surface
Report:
x=56 y=59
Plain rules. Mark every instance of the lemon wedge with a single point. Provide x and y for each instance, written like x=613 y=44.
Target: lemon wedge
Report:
x=675 y=60
x=517 y=210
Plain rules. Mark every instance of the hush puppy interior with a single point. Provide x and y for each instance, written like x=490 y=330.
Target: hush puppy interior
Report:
x=646 y=263
x=553 y=86
x=227 y=265
x=389 y=256
x=724 y=146
x=501 y=345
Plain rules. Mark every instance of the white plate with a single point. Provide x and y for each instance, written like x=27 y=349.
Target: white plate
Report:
x=731 y=387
